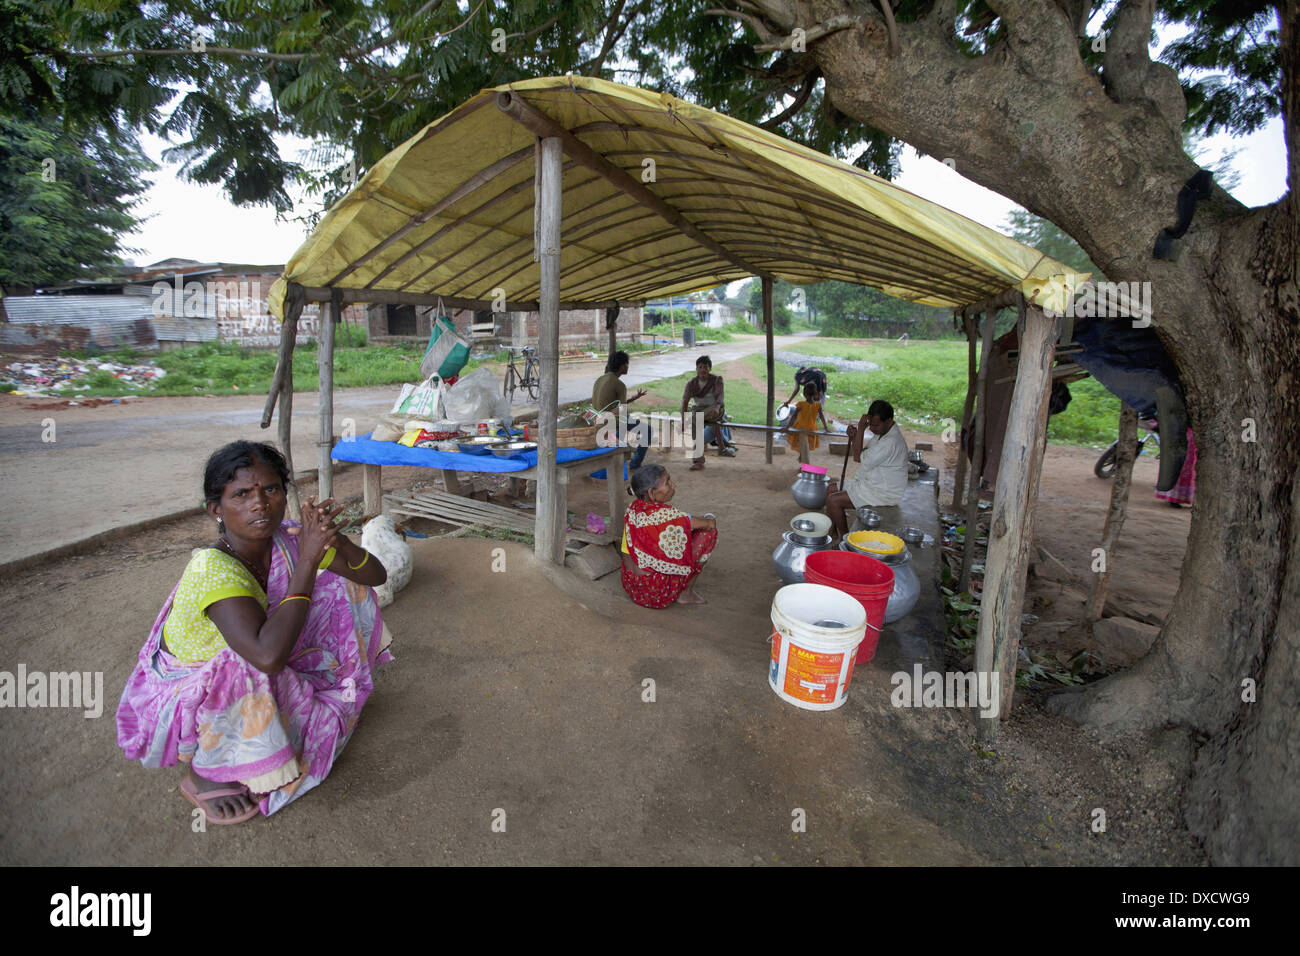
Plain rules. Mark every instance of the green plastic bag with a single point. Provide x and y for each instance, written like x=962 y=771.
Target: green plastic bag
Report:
x=447 y=352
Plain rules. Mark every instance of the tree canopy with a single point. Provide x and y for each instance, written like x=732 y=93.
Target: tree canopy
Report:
x=66 y=199
x=223 y=77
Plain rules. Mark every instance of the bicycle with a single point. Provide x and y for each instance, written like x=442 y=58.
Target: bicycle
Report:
x=529 y=380
x=1109 y=460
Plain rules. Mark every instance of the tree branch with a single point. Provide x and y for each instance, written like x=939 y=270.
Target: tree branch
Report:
x=759 y=26
x=809 y=84
x=612 y=36
x=825 y=28
x=1128 y=71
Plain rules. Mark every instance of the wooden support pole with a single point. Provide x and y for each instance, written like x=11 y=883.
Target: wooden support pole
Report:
x=611 y=326
x=548 y=545
x=968 y=325
x=285 y=429
x=771 y=364
x=372 y=489
x=295 y=299
x=1119 y=493
x=1011 y=531
x=977 y=457
x=325 y=406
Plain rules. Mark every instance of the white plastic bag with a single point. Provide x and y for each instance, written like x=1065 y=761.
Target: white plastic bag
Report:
x=421 y=401
x=476 y=396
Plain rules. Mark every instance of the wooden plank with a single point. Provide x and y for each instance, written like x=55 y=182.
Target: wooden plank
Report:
x=325 y=404
x=771 y=365
x=977 y=459
x=391 y=297
x=451 y=481
x=1011 y=531
x=372 y=488
x=968 y=326
x=437 y=507
x=551 y=492
x=1125 y=455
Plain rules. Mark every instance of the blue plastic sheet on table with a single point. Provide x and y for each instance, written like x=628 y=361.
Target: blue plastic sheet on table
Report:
x=601 y=473
x=366 y=451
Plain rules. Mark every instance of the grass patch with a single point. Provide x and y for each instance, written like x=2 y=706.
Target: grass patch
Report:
x=498 y=534
x=229 y=369
x=925 y=381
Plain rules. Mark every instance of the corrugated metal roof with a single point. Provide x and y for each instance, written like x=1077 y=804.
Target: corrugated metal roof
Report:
x=112 y=319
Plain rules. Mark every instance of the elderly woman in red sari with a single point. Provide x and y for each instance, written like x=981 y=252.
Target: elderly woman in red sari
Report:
x=255 y=672
x=664 y=550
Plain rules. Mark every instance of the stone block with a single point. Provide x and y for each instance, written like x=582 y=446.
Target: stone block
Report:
x=595 y=560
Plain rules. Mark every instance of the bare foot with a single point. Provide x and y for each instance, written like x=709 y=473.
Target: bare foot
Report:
x=690 y=597
x=222 y=808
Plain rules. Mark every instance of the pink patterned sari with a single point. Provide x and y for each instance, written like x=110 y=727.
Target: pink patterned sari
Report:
x=278 y=734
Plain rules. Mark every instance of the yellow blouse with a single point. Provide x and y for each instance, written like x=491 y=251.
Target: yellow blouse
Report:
x=212 y=575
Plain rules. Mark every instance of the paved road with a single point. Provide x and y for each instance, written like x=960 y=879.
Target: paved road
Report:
x=116 y=465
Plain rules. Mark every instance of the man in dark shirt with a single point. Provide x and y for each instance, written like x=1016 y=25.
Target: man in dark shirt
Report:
x=608 y=392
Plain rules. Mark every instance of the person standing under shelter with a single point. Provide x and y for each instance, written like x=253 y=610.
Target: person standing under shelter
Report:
x=609 y=392
x=882 y=479
x=809 y=376
x=805 y=417
x=703 y=394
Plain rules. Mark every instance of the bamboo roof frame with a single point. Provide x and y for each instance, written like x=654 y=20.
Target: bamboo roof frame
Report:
x=727 y=201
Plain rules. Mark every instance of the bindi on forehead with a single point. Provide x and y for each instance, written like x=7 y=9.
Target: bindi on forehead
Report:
x=255 y=476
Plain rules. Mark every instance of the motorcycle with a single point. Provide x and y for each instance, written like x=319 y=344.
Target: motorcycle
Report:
x=1109 y=460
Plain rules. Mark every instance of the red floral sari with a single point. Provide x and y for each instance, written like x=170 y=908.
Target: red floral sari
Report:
x=666 y=553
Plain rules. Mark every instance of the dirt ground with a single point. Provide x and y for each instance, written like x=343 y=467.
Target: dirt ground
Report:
x=523 y=692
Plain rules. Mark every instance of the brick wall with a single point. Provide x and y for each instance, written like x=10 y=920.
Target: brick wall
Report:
x=244 y=317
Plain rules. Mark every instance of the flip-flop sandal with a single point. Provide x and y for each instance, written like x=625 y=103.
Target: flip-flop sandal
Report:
x=192 y=795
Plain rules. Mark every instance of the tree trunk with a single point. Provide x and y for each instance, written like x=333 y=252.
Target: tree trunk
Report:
x=1101 y=156
x=1125 y=453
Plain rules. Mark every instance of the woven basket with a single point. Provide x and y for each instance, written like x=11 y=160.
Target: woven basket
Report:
x=583 y=438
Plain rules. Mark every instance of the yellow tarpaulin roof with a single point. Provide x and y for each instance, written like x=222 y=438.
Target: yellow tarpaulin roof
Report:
x=450 y=213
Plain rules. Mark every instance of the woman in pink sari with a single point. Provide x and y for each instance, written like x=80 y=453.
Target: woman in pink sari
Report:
x=256 y=670
x=1184 y=490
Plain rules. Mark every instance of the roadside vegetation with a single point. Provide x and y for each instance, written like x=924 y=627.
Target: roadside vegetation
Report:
x=924 y=381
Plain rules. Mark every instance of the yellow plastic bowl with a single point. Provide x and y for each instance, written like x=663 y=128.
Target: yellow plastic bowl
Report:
x=876 y=542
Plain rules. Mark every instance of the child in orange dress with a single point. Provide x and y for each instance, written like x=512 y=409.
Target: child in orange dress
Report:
x=806 y=414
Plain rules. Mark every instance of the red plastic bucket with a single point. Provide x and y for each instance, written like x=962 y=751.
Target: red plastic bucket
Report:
x=868 y=580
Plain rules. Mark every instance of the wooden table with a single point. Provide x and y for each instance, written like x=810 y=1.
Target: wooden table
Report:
x=612 y=461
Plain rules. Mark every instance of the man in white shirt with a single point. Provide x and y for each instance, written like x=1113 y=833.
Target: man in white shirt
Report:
x=882 y=479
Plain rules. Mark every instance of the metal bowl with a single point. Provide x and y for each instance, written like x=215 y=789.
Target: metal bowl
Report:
x=911 y=535
x=870 y=518
x=480 y=445
x=811 y=524
x=510 y=449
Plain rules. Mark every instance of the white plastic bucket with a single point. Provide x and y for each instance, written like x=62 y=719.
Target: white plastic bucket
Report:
x=815 y=635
